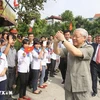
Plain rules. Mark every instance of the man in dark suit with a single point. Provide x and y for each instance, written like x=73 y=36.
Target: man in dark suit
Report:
x=95 y=66
x=89 y=39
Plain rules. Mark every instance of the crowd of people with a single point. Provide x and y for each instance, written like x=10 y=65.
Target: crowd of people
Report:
x=28 y=60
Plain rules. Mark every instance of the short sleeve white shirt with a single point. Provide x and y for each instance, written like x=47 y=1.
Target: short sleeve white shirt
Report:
x=35 y=60
x=23 y=62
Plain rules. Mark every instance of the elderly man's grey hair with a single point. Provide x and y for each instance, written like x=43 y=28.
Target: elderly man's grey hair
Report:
x=82 y=31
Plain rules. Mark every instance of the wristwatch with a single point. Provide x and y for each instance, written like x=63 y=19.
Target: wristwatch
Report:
x=63 y=41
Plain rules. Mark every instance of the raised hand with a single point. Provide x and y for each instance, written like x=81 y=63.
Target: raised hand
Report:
x=24 y=54
x=59 y=36
x=10 y=39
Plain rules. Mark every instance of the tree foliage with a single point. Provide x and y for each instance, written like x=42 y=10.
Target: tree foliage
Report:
x=79 y=21
x=82 y=22
x=1 y=29
x=22 y=28
x=39 y=27
x=67 y=16
x=29 y=9
x=95 y=29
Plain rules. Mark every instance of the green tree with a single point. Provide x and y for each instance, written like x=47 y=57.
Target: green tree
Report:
x=22 y=28
x=57 y=26
x=67 y=18
x=50 y=30
x=83 y=23
x=95 y=28
x=1 y=29
x=39 y=27
x=29 y=10
x=79 y=20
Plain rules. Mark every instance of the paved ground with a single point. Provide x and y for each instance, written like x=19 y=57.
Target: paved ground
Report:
x=54 y=91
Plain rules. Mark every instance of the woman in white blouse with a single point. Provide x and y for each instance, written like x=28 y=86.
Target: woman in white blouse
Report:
x=24 y=60
x=36 y=65
x=43 y=64
x=3 y=69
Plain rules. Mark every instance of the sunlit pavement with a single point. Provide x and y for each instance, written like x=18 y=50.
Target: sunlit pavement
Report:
x=54 y=91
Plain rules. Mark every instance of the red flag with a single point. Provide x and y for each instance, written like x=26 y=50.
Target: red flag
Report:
x=28 y=49
x=15 y=4
x=70 y=26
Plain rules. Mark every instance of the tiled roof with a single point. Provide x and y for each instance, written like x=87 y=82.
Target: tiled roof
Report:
x=96 y=15
x=54 y=17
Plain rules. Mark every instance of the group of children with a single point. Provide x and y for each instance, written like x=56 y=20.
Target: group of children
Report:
x=35 y=58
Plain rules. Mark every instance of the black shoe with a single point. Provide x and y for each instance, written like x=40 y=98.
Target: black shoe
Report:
x=94 y=94
x=30 y=86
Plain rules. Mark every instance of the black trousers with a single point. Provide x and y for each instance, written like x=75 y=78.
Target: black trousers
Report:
x=2 y=88
x=11 y=78
x=95 y=70
x=35 y=77
x=53 y=64
x=30 y=78
x=63 y=67
x=23 y=77
x=47 y=72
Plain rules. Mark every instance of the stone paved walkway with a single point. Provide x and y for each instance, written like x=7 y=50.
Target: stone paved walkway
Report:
x=54 y=91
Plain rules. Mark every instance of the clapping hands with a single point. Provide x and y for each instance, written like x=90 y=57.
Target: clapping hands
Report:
x=59 y=36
